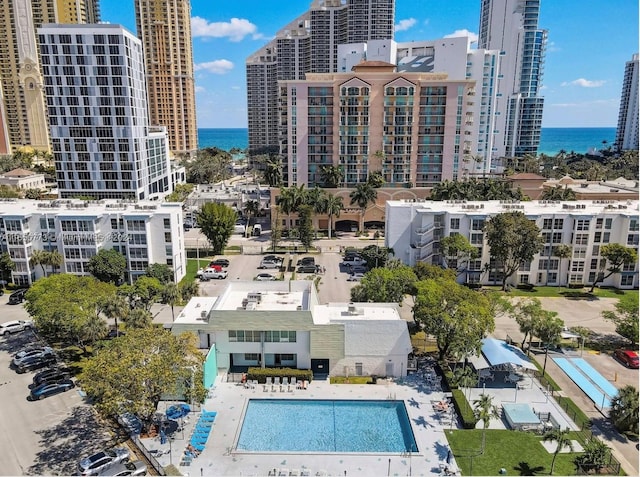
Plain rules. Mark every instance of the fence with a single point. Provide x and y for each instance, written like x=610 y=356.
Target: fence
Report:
x=144 y=451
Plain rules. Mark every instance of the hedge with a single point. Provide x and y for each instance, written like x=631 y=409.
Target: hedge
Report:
x=261 y=374
x=464 y=410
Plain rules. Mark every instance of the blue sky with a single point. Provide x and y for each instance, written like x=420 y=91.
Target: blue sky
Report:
x=589 y=43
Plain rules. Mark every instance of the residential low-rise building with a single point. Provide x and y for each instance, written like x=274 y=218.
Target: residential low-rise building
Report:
x=282 y=324
x=23 y=179
x=414 y=230
x=144 y=232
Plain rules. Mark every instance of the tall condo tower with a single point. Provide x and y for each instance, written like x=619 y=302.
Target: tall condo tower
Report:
x=627 y=132
x=165 y=30
x=309 y=44
x=95 y=86
x=511 y=26
x=23 y=110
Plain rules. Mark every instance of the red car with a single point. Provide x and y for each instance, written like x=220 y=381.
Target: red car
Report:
x=626 y=357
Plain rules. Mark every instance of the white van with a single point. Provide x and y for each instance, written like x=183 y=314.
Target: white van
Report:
x=257 y=230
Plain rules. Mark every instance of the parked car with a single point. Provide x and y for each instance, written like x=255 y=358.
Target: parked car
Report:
x=51 y=375
x=354 y=260
x=627 y=357
x=31 y=352
x=213 y=274
x=219 y=262
x=264 y=277
x=15 y=326
x=306 y=261
x=355 y=277
x=49 y=389
x=273 y=258
x=136 y=467
x=35 y=362
x=17 y=296
x=269 y=264
x=130 y=422
x=358 y=269
x=99 y=462
x=308 y=268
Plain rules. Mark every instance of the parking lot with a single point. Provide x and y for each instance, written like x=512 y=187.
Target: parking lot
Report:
x=45 y=437
x=333 y=286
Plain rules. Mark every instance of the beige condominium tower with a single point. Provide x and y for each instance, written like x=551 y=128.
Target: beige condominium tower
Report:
x=165 y=30
x=23 y=120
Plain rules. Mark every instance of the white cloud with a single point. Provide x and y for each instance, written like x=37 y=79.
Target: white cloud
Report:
x=236 y=88
x=551 y=47
x=596 y=102
x=473 y=37
x=584 y=83
x=405 y=24
x=235 y=29
x=200 y=89
x=217 y=67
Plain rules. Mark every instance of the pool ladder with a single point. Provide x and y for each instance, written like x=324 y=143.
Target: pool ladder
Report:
x=391 y=396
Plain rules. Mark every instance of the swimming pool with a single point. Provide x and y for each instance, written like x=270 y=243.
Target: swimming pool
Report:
x=302 y=425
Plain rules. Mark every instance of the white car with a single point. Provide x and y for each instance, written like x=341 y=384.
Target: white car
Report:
x=265 y=277
x=354 y=261
x=355 y=277
x=15 y=326
x=136 y=467
x=101 y=461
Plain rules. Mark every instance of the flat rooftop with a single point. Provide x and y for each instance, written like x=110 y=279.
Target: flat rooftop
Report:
x=341 y=312
x=266 y=296
x=192 y=313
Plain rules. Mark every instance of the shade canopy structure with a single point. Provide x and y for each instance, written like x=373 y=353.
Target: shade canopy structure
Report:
x=178 y=410
x=499 y=353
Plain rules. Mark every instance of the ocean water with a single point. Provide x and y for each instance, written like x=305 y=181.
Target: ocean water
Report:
x=552 y=140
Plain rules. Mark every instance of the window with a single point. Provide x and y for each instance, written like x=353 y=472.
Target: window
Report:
x=455 y=224
x=358 y=369
x=581 y=239
x=575 y=278
x=546 y=223
x=523 y=279
x=477 y=224
x=251 y=356
x=287 y=357
x=556 y=237
x=626 y=280
x=582 y=224
x=558 y=223
x=167 y=223
x=577 y=266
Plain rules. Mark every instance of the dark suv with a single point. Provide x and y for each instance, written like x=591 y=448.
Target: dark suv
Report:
x=17 y=296
x=35 y=362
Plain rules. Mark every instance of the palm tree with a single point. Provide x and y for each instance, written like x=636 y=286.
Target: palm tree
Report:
x=624 y=410
x=562 y=251
x=290 y=199
x=561 y=436
x=332 y=176
x=559 y=193
x=138 y=318
x=332 y=206
x=363 y=195
x=55 y=260
x=39 y=257
x=484 y=410
x=189 y=290
x=273 y=172
x=596 y=455
x=171 y=295
x=251 y=208
x=114 y=308
x=7 y=265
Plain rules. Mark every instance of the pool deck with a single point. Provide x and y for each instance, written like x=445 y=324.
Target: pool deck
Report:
x=229 y=400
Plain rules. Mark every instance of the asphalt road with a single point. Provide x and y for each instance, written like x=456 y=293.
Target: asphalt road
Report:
x=45 y=437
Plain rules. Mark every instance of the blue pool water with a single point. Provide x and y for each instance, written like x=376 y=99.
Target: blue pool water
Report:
x=300 y=425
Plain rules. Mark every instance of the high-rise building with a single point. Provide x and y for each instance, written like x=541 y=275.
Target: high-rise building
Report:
x=307 y=44
x=165 y=30
x=24 y=121
x=511 y=27
x=103 y=145
x=411 y=127
x=627 y=132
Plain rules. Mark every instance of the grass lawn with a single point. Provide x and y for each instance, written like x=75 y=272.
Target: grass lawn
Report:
x=520 y=453
x=562 y=292
x=192 y=268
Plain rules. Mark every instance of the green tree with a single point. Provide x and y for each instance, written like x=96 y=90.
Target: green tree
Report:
x=189 y=290
x=616 y=256
x=250 y=209
x=7 y=192
x=65 y=308
x=332 y=206
x=382 y=285
x=211 y=165
x=115 y=308
x=161 y=271
x=216 y=221
x=595 y=456
x=289 y=199
x=559 y=193
x=512 y=239
x=485 y=410
x=562 y=251
x=171 y=296
x=363 y=195
x=332 y=176
x=624 y=410
x=33 y=194
x=376 y=256
x=426 y=271
x=144 y=292
x=39 y=258
x=6 y=266
x=305 y=227
x=455 y=315
x=138 y=318
x=55 y=260
x=273 y=172
x=548 y=328
x=132 y=373
x=180 y=193
x=458 y=252
x=625 y=317
x=108 y=266
x=528 y=314
x=562 y=439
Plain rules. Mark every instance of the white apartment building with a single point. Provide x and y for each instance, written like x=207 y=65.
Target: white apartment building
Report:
x=281 y=324
x=456 y=58
x=98 y=114
x=144 y=232
x=628 y=116
x=414 y=230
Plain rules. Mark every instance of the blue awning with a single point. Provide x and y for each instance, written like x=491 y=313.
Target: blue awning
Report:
x=498 y=352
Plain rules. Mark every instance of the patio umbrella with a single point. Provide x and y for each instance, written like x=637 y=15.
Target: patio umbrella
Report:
x=178 y=410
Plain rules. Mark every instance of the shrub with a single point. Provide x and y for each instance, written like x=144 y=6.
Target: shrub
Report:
x=261 y=374
x=525 y=286
x=463 y=409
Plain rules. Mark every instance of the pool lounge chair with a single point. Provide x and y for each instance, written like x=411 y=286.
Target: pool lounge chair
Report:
x=283 y=472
